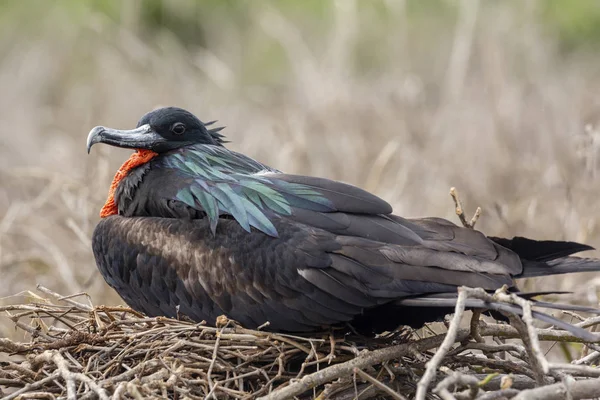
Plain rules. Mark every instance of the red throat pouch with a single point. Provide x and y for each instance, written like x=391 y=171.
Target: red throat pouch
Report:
x=138 y=158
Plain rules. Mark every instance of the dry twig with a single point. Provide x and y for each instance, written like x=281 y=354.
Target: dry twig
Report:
x=460 y=211
x=113 y=351
x=448 y=342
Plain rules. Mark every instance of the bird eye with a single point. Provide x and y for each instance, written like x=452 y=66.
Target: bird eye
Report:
x=178 y=128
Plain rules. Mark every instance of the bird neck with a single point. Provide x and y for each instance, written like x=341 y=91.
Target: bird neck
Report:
x=138 y=158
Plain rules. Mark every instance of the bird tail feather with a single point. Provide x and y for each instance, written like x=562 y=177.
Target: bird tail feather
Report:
x=539 y=258
x=564 y=265
x=549 y=257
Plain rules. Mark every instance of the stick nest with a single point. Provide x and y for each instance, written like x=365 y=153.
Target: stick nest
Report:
x=77 y=350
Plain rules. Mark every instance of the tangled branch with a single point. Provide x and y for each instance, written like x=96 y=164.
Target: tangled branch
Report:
x=79 y=351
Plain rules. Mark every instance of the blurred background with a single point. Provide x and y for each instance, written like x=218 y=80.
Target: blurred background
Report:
x=405 y=98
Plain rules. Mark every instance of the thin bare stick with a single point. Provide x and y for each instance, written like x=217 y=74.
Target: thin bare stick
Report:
x=588 y=359
x=584 y=389
x=579 y=370
x=529 y=336
x=66 y=299
x=212 y=365
x=32 y=386
x=379 y=385
x=449 y=340
x=460 y=211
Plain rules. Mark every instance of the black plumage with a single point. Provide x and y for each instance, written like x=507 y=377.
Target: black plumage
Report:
x=201 y=231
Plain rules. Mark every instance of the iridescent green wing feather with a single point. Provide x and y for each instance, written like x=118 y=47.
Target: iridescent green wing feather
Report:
x=225 y=182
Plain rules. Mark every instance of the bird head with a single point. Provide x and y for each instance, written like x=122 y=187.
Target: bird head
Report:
x=160 y=131
x=157 y=132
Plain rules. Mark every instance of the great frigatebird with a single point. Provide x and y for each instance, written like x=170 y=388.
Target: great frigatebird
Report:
x=192 y=228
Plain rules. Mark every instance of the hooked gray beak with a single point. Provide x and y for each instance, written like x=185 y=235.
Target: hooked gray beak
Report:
x=143 y=137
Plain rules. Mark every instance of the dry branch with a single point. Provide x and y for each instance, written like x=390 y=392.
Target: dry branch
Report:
x=583 y=389
x=75 y=351
x=460 y=211
x=448 y=342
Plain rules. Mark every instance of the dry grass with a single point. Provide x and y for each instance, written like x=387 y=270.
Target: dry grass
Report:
x=404 y=107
